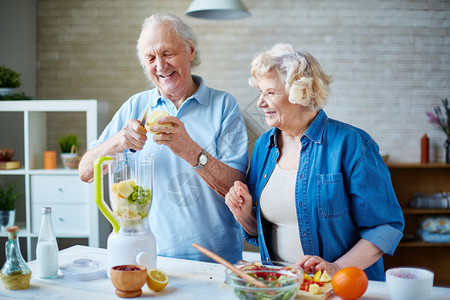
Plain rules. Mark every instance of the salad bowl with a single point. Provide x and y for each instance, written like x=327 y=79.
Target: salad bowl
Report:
x=282 y=281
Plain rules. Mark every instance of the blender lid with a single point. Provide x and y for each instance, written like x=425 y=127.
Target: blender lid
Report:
x=83 y=269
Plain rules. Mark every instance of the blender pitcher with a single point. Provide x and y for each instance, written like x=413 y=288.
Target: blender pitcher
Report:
x=130 y=184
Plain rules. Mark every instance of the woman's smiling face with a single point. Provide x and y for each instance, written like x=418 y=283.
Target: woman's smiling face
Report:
x=274 y=101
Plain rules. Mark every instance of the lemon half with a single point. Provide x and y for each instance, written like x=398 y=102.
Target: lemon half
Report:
x=156 y=279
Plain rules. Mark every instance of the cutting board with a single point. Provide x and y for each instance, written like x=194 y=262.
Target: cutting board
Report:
x=326 y=291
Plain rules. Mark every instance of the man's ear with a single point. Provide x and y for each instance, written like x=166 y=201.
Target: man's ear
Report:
x=192 y=51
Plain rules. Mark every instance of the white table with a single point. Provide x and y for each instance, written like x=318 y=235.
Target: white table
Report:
x=188 y=280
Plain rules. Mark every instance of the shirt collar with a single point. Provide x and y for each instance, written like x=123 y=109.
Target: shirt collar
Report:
x=314 y=131
x=273 y=138
x=317 y=127
x=201 y=95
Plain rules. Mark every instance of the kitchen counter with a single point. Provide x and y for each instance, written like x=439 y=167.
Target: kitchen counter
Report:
x=188 y=280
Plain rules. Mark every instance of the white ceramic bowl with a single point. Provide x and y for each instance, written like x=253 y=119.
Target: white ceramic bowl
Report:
x=409 y=283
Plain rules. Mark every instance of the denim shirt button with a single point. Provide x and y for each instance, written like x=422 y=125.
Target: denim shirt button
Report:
x=265 y=175
x=304 y=233
x=276 y=151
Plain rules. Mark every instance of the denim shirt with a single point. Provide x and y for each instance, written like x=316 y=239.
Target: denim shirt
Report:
x=343 y=192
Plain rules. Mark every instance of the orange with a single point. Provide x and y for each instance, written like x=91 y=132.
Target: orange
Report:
x=350 y=283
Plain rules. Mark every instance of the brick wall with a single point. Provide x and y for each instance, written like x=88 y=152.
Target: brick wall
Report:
x=390 y=59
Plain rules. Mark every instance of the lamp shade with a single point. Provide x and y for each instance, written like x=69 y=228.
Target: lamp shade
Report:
x=217 y=9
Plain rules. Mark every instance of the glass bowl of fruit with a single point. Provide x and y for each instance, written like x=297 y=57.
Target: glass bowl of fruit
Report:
x=282 y=280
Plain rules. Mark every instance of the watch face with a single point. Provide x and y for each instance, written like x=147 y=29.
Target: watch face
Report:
x=203 y=159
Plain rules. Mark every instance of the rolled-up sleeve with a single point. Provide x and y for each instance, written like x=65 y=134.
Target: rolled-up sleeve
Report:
x=384 y=237
x=375 y=207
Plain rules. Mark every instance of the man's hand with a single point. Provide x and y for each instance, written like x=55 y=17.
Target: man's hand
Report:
x=176 y=138
x=131 y=136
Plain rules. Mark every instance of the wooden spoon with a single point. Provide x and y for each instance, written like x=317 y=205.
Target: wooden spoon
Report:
x=227 y=264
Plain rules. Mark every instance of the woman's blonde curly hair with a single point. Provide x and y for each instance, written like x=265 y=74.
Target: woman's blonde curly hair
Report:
x=301 y=74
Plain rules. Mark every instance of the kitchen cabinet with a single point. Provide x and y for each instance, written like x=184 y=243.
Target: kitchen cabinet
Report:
x=430 y=178
x=24 y=127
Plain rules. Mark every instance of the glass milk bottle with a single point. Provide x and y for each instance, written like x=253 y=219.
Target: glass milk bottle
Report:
x=47 y=248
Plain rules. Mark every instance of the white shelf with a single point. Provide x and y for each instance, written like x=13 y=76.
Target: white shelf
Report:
x=53 y=172
x=13 y=172
x=31 y=117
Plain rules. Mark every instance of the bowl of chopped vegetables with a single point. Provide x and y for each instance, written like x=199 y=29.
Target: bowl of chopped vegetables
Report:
x=282 y=280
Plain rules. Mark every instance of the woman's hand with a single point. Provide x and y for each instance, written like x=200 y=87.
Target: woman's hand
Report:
x=239 y=201
x=362 y=255
x=312 y=264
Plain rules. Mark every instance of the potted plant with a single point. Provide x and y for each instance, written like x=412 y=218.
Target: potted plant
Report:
x=9 y=80
x=441 y=119
x=69 y=149
x=8 y=197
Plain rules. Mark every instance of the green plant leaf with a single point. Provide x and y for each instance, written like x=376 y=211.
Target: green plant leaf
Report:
x=9 y=77
x=66 y=142
x=8 y=195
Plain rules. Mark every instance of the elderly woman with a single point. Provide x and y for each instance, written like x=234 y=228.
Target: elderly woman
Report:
x=318 y=193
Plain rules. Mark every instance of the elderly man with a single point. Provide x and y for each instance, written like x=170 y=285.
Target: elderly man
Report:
x=197 y=158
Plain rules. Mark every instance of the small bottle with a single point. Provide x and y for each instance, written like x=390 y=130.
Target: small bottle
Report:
x=424 y=149
x=47 y=247
x=15 y=273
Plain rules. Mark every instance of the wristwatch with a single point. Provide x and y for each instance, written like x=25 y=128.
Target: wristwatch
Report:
x=202 y=160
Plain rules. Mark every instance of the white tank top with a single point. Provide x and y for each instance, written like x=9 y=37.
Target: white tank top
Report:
x=278 y=207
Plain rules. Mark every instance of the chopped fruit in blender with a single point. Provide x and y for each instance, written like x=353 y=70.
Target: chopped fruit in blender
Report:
x=153 y=119
x=129 y=200
x=125 y=188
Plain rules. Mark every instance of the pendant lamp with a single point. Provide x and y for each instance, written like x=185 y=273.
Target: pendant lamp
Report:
x=218 y=9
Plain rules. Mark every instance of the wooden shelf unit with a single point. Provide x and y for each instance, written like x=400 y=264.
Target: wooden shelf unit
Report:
x=408 y=178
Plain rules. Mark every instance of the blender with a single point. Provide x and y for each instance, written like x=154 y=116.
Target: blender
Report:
x=130 y=184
